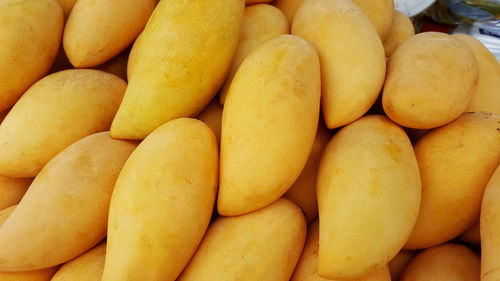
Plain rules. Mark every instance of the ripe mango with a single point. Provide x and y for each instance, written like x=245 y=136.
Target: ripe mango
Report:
x=490 y=229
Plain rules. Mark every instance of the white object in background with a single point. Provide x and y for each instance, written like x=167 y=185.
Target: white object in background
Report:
x=412 y=7
x=487 y=32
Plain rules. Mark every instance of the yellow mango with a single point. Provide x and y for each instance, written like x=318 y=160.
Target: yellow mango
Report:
x=450 y=262
x=260 y=23
x=368 y=197
x=490 y=229
x=64 y=212
x=380 y=13
x=398 y=264
x=212 y=116
x=350 y=85
x=179 y=63
x=97 y=31
x=117 y=65
x=288 y=7
x=472 y=235
x=430 y=81
x=55 y=112
x=67 y=6
x=173 y=176
x=250 y=2
x=456 y=162
x=35 y=275
x=30 y=32
x=264 y=245
x=401 y=29
x=272 y=111
x=307 y=268
x=485 y=97
x=303 y=190
x=5 y=213
x=86 y=267
x=12 y=190
x=3 y=114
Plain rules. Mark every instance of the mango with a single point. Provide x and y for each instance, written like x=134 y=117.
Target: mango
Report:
x=430 y=81
x=289 y=8
x=307 y=268
x=67 y=6
x=64 y=212
x=180 y=62
x=485 y=97
x=456 y=162
x=212 y=116
x=350 y=85
x=260 y=23
x=35 y=275
x=117 y=65
x=490 y=229
x=366 y=213
x=250 y=2
x=472 y=235
x=272 y=111
x=5 y=213
x=398 y=264
x=55 y=112
x=303 y=190
x=264 y=245
x=401 y=29
x=86 y=267
x=97 y=31
x=450 y=262
x=380 y=13
x=12 y=190
x=3 y=114
x=30 y=32
x=172 y=175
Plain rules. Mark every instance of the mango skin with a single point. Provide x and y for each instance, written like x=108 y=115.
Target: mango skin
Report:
x=3 y=114
x=30 y=32
x=288 y=7
x=35 y=275
x=65 y=210
x=307 y=268
x=490 y=229
x=172 y=174
x=401 y=29
x=55 y=112
x=350 y=85
x=212 y=116
x=117 y=65
x=12 y=190
x=180 y=62
x=250 y=2
x=398 y=264
x=86 y=267
x=472 y=235
x=97 y=31
x=67 y=6
x=303 y=190
x=273 y=118
x=5 y=213
x=430 y=81
x=366 y=214
x=485 y=97
x=451 y=193
x=264 y=245
x=260 y=23
x=450 y=262
x=380 y=13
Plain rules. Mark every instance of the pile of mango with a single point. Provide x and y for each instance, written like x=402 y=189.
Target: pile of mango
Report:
x=301 y=140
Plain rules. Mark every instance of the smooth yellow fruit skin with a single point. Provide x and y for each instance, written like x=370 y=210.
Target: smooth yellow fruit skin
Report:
x=272 y=110
x=350 y=85
x=264 y=245
x=430 y=81
x=450 y=262
x=180 y=62
x=55 y=112
x=86 y=267
x=485 y=97
x=456 y=162
x=173 y=176
x=368 y=197
x=490 y=229
x=30 y=32
x=380 y=13
x=12 y=190
x=303 y=190
x=307 y=268
x=97 y=31
x=472 y=235
x=398 y=264
x=261 y=23
x=288 y=7
x=5 y=213
x=35 y=275
x=401 y=29
x=212 y=116
x=67 y=6
x=64 y=212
